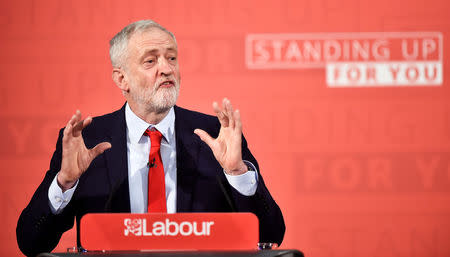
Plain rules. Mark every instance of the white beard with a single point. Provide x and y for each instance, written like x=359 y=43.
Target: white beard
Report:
x=157 y=99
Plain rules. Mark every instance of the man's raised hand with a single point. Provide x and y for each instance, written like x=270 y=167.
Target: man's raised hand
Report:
x=76 y=158
x=227 y=147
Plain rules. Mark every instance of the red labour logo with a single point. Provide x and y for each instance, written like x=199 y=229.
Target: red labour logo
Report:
x=133 y=226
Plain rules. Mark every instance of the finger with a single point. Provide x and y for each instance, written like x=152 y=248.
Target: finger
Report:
x=220 y=115
x=229 y=109
x=99 y=149
x=69 y=126
x=73 y=123
x=75 y=118
x=67 y=130
x=81 y=125
x=86 y=122
x=217 y=110
x=77 y=128
x=78 y=114
x=205 y=137
x=72 y=120
x=224 y=111
x=224 y=105
x=237 y=120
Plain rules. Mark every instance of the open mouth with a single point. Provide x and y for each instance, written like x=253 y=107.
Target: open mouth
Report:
x=167 y=83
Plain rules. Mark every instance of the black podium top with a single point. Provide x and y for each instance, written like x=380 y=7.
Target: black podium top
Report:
x=255 y=253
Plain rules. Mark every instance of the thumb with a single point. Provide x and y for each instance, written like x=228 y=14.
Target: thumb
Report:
x=205 y=137
x=99 y=149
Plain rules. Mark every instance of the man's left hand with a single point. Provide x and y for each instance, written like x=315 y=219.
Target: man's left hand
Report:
x=227 y=147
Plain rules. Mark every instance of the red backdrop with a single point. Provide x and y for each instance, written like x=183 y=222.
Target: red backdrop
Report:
x=359 y=167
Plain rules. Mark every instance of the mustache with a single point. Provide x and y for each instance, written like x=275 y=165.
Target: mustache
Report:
x=171 y=79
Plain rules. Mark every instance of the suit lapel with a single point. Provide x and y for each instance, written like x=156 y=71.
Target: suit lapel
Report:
x=117 y=163
x=188 y=145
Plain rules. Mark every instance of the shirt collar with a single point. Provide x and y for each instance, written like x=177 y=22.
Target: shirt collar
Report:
x=136 y=126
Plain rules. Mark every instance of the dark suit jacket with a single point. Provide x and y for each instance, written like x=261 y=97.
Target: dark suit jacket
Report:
x=201 y=183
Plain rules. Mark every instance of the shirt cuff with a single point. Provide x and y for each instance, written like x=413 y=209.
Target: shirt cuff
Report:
x=245 y=183
x=57 y=199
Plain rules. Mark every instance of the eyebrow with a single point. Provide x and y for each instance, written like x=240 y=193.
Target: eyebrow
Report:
x=153 y=51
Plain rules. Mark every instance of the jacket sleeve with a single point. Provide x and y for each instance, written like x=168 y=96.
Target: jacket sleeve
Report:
x=271 y=222
x=38 y=229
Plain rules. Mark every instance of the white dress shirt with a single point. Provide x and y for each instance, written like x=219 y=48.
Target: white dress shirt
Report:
x=138 y=148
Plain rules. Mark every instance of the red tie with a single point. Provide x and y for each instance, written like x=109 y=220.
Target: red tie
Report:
x=156 y=182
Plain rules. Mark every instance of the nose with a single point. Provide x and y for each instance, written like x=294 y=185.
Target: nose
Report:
x=165 y=68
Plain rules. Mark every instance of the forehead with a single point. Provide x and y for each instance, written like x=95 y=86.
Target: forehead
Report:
x=153 y=39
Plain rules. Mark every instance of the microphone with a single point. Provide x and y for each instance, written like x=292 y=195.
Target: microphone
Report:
x=151 y=164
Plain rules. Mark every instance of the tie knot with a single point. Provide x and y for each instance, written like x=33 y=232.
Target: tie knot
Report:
x=155 y=137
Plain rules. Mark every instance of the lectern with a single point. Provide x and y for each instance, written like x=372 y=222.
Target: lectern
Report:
x=180 y=234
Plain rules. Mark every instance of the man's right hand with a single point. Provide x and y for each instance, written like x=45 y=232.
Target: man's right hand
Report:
x=76 y=158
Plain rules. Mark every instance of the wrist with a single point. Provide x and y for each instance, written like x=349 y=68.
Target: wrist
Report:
x=241 y=169
x=63 y=182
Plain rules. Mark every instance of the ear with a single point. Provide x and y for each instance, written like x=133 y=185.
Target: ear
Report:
x=119 y=77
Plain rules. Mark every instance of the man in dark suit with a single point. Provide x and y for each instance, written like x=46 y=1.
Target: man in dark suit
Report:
x=104 y=167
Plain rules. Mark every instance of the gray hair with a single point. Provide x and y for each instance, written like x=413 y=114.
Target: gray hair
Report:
x=119 y=43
